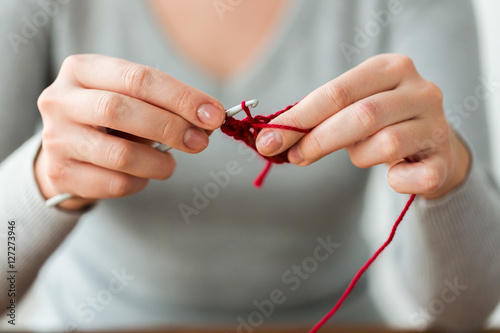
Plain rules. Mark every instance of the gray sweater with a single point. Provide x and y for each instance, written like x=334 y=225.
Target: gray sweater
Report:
x=282 y=253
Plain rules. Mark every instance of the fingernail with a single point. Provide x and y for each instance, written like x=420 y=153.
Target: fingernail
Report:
x=269 y=142
x=211 y=115
x=295 y=156
x=195 y=138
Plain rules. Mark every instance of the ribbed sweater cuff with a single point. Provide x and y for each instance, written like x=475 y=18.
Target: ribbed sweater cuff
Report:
x=21 y=199
x=470 y=211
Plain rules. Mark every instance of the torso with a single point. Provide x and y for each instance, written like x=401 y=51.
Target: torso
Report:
x=216 y=262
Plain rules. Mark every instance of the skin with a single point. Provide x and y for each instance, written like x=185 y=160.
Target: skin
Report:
x=94 y=92
x=399 y=115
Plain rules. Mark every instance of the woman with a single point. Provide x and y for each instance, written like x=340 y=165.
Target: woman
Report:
x=203 y=247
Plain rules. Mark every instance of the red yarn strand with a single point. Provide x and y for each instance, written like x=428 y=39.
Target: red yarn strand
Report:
x=358 y=275
x=248 y=129
x=259 y=181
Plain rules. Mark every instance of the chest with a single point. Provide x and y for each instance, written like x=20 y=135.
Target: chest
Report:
x=219 y=37
x=301 y=56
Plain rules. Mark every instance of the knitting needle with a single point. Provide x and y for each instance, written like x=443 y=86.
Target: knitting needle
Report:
x=60 y=198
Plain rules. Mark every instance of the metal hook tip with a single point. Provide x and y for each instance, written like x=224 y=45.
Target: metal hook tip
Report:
x=252 y=103
x=236 y=109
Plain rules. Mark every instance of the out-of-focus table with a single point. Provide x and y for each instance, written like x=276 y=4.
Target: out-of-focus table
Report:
x=271 y=329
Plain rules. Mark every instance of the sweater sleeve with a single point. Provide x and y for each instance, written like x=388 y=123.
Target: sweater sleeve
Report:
x=28 y=230
x=36 y=231
x=446 y=256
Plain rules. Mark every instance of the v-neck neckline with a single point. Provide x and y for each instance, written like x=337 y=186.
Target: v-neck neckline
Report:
x=268 y=50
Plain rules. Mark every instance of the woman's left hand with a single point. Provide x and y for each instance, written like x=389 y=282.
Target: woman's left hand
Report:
x=381 y=111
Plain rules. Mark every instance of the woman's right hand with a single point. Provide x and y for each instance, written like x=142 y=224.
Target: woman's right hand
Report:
x=93 y=93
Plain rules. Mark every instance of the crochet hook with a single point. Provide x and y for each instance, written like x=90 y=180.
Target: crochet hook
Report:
x=54 y=201
x=229 y=113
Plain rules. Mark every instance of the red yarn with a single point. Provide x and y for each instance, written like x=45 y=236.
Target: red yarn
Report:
x=262 y=176
x=248 y=129
x=363 y=269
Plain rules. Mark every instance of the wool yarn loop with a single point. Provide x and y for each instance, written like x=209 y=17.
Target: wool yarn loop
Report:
x=248 y=129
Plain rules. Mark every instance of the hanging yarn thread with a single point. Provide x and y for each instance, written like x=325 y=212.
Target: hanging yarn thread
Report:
x=247 y=130
x=363 y=269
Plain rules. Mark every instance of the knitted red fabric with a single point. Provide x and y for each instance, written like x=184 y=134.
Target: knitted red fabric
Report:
x=248 y=129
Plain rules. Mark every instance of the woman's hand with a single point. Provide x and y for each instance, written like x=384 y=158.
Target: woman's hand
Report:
x=382 y=111
x=140 y=104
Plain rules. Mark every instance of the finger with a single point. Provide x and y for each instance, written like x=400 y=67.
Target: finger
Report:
x=130 y=115
x=114 y=153
x=424 y=177
x=138 y=139
x=378 y=74
x=391 y=144
x=353 y=124
x=93 y=182
x=147 y=84
x=130 y=137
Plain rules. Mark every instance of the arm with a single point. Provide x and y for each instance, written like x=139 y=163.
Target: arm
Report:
x=400 y=114
x=23 y=75
x=100 y=117
x=448 y=248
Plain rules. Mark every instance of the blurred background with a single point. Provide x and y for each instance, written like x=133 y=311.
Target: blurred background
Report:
x=488 y=12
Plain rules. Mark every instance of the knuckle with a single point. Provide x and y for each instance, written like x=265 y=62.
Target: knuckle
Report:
x=366 y=114
x=47 y=99
x=337 y=94
x=357 y=159
x=85 y=147
x=47 y=136
x=431 y=180
x=136 y=78
x=121 y=185
x=49 y=141
x=404 y=63
x=73 y=61
x=56 y=172
x=432 y=93
x=314 y=148
x=107 y=107
x=383 y=60
x=69 y=62
x=166 y=130
x=396 y=63
x=118 y=156
x=183 y=99
x=389 y=143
